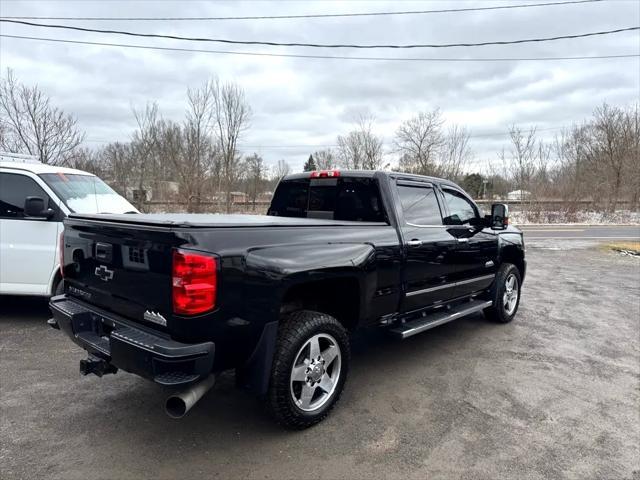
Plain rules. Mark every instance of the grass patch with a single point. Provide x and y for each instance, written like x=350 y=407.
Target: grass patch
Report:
x=625 y=247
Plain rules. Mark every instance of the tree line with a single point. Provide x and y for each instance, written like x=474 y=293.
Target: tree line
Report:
x=595 y=161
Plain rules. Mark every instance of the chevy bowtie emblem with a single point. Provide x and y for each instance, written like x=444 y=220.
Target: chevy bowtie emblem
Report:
x=103 y=273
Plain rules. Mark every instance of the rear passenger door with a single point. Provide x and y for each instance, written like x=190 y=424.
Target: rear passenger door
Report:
x=429 y=269
x=477 y=252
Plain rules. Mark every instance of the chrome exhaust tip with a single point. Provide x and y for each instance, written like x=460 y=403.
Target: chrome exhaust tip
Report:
x=178 y=404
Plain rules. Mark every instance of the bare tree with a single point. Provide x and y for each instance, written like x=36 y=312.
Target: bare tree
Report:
x=455 y=153
x=325 y=159
x=118 y=162
x=520 y=161
x=419 y=140
x=255 y=171
x=88 y=160
x=230 y=116
x=281 y=169
x=611 y=143
x=31 y=125
x=598 y=160
x=633 y=157
x=573 y=172
x=143 y=144
x=194 y=160
x=361 y=148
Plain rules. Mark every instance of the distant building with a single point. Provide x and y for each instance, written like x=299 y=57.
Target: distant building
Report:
x=518 y=195
x=238 y=197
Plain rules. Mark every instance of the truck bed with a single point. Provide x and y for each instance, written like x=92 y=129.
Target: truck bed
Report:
x=199 y=220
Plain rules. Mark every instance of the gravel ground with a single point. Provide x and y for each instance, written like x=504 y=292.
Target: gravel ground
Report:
x=555 y=394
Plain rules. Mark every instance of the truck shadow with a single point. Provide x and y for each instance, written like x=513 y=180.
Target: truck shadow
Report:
x=128 y=407
x=227 y=416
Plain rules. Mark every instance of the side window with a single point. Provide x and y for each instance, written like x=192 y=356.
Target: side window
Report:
x=460 y=209
x=420 y=205
x=14 y=189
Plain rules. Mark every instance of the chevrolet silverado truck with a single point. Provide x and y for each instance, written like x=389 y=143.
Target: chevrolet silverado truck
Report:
x=179 y=298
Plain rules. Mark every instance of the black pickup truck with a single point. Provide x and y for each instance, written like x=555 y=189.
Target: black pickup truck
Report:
x=179 y=298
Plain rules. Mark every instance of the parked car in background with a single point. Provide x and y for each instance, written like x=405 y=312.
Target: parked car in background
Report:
x=34 y=199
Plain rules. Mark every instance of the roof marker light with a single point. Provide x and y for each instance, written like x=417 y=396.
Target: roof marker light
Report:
x=325 y=174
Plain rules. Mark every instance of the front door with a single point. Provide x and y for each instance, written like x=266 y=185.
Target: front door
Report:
x=28 y=246
x=477 y=252
x=428 y=275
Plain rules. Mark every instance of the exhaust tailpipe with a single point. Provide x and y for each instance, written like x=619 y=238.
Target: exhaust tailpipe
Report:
x=180 y=403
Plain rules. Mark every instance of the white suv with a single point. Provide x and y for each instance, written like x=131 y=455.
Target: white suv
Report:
x=34 y=199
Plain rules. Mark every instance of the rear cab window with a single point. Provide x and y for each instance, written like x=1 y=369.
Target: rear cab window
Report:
x=419 y=204
x=342 y=198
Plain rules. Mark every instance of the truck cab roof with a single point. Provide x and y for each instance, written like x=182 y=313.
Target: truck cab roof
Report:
x=368 y=174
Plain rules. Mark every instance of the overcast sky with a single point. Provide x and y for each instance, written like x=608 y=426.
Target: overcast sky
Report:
x=301 y=104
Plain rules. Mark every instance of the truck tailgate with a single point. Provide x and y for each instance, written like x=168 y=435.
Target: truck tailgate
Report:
x=123 y=268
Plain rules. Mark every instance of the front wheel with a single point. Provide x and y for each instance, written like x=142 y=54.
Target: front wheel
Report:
x=309 y=369
x=505 y=294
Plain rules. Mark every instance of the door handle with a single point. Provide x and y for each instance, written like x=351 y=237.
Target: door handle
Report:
x=463 y=240
x=414 y=243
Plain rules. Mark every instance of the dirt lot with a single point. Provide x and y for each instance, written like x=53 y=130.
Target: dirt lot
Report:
x=556 y=394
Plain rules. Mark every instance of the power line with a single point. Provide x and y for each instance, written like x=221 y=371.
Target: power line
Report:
x=327 y=57
x=325 y=15
x=316 y=45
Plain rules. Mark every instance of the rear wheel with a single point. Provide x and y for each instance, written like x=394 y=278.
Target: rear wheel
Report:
x=505 y=294
x=310 y=368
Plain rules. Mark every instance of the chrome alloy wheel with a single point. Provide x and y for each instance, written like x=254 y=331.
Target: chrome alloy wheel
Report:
x=510 y=296
x=315 y=372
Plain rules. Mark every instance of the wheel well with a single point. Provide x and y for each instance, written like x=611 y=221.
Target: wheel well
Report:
x=338 y=297
x=515 y=256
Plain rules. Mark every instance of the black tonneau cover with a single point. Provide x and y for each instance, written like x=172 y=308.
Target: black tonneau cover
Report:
x=202 y=220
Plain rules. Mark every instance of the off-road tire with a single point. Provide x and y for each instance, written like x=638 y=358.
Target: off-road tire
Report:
x=497 y=311
x=294 y=331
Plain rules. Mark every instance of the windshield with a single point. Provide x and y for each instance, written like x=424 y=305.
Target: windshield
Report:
x=86 y=194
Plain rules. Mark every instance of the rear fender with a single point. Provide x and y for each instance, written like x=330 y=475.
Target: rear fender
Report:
x=281 y=268
x=277 y=269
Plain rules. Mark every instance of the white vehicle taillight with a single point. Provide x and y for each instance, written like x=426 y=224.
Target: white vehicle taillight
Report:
x=61 y=247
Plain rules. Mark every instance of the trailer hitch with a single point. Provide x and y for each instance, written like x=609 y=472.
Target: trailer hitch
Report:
x=97 y=366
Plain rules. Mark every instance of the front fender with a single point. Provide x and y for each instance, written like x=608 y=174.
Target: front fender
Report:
x=511 y=248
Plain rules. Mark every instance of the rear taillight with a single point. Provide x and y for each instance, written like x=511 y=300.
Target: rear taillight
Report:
x=194 y=278
x=61 y=247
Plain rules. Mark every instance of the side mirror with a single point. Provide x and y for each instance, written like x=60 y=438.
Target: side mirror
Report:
x=34 y=207
x=499 y=216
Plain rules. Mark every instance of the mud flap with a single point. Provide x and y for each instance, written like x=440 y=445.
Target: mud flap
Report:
x=254 y=375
